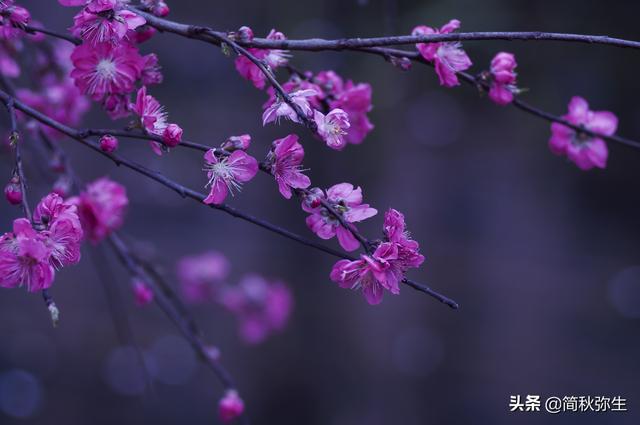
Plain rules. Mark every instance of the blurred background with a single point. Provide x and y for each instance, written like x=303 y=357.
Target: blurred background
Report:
x=542 y=257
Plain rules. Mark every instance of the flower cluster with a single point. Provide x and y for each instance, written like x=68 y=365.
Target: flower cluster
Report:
x=503 y=78
x=447 y=57
x=273 y=58
x=32 y=253
x=338 y=108
x=584 y=149
x=385 y=267
x=262 y=307
x=108 y=66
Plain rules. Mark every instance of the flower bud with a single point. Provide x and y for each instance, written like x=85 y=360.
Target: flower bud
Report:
x=172 y=135
x=12 y=191
x=230 y=407
x=143 y=294
x=235 y=143
x=108 y=143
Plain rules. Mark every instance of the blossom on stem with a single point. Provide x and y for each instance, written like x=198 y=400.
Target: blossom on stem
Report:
x=227 y=174
x=448 y=57
x=285 y=160
x=230 y=406
x=142 y=293
x=13 y=19
x=280 y=108
x=235 y=143
x=385 y=268
x=103 y=68
x=585 y=150
x=62 y=230
x=108 y=25
x=331 y=127
x=24 y=258
x=274 y=58
x=346 y=201
x=101 y=207
x=13 y=192
x=172 y=135
x=108 y=143
x=152 y=118
x=503 y=78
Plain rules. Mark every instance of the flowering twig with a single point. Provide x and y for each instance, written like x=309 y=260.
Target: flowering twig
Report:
x=186 y=192
x=374 y=46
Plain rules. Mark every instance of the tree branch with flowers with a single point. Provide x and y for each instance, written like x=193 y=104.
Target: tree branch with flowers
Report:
x=101 y=60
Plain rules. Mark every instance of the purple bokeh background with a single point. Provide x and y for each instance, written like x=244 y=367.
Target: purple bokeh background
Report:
x=542 y=257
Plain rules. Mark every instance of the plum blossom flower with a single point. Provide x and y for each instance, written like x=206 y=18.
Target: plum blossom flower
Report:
x=24 y=258
x=230 y=407
x=448 y=57
x=262 y=307
x=384 y=269
x=201 y=276
x=354 y=99
x=585 y=150
x=227 y=174
x=280 y=108
x=346 y=201
x=108 y=143
x=286 y=158
x=142 y=293
x=108 y=25
x=13 y=192
x=274 y=58
x=331 y=127
x=151 y=73
x=503 y=81
x=13 y=19
x=62 y=230
x=101 y=207
x=103 y=68
x=153 y=119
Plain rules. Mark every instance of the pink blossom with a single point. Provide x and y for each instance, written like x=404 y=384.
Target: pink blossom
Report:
x=280 y=108
x=503 y=82
x=13 y=19
x=103 y=69
x=286 y=158
x=152 y=116
x=331 y=127
x=274 y=58
x=584 y=150
x=143 y=33
x=234 y=143
x=448 y=57
x=395 y=232
x=227 y=174
x=201 y=276
x=151 y=73
x=101 y=207
x=262 y=307
x=355 y=100
x=294 y=84
x=105 y=26
x=62 y=230
x=24 y=258
x=372 y=274
x=108 y=143
x=172 y=135
x=13 y=192
x=230 y=407
x=346 y=201
x=142 y=293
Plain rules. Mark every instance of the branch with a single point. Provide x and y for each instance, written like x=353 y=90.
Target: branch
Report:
x=186 y=192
